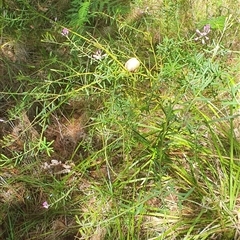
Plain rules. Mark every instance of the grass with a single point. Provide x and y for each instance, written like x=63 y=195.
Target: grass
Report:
x=151 y=154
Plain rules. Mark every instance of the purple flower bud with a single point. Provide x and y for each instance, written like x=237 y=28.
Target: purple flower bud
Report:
x=45 y=205
x=65 y=32
x=206 y=28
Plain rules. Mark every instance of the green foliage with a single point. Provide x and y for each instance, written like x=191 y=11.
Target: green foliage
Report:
x=90 y=150
x=89 y=12
x=79 y=13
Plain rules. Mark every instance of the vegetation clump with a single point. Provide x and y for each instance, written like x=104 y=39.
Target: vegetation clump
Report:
x=93 y=149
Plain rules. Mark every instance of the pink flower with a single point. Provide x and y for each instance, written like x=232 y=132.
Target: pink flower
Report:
x=203 y=35
x=65 y=32
x=98 y=55
x=45 y=205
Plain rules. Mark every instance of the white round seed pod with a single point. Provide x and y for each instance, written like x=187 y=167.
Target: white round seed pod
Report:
x=132 y=64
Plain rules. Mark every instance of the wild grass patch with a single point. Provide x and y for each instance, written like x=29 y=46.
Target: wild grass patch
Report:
x=90 y=150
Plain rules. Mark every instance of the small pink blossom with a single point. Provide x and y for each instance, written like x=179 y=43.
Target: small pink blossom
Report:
x=45 y=205
x=65 y=32
x=98 y=55
x=203 y=35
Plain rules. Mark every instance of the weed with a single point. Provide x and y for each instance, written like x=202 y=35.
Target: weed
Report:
x=90 y=150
